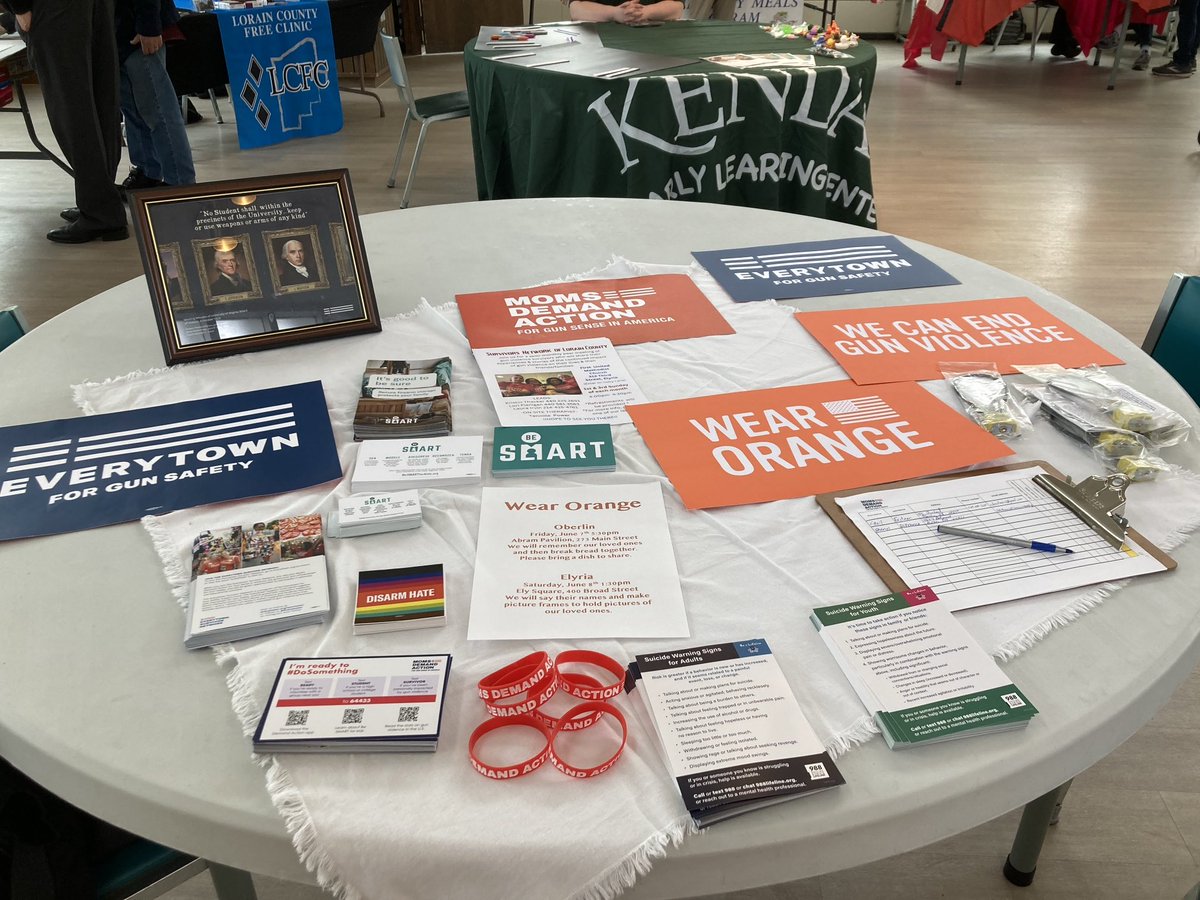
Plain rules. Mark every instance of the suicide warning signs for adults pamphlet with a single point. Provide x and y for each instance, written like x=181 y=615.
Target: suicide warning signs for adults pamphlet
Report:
x=580 y=562
x=918 y=671
x=624 y=310
x=733 y=735
x=821 y=269
x=906 y=343
x=754 y=446
x=73 y=474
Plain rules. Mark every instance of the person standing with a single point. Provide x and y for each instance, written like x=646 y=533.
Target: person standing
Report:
x=154 y=129
x=1187 y=36
x=74 y=53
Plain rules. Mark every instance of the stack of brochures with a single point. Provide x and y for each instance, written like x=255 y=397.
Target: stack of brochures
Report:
x=402 y=398
x=552 y=450
x=732 y=732
x=430 y=462
x=400 y=599
x=918 y=671
x=251 y=580
x=357 y=703
x=374 y=513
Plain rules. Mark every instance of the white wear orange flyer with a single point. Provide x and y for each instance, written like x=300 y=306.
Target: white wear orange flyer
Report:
x=624 y=310
x=756 y=446
x=906 y=343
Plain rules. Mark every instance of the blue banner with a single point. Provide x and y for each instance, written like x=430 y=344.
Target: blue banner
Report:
x=282 y=72
x=73 y=474
x=821 y=269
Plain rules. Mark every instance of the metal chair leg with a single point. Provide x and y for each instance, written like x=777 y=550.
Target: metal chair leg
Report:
x=212 y=97
x=231 y=884
x=399 y=149
x=413 y=169
x=962 y=63
x=1038 y=24
x=1036 y=820
x=1116 y=63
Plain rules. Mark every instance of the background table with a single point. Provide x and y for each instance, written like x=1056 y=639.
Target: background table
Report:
x=543 y=133
x=100 y=702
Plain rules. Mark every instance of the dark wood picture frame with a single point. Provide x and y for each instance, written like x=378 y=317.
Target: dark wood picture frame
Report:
x=244 y=215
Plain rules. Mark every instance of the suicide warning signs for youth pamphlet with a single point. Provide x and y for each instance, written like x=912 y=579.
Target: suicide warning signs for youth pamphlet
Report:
x=74 y=474
x=906 y=343
x=755 y=446
x=624 y=310
x=821 y=269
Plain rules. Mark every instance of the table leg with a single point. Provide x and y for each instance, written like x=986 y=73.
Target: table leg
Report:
x=1036 y=820
x=44 y=151
x=962 y=63
x=1112 y=75
x=231 y=884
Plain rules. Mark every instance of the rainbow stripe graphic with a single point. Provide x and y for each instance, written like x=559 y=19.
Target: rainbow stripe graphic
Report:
x=403 y=596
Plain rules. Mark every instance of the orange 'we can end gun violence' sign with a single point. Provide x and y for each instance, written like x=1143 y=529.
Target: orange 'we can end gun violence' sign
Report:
x=906 y=343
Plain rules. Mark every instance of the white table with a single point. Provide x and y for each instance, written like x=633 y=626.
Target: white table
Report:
x=100 y=702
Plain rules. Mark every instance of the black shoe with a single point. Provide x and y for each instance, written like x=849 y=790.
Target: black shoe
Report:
x=193 y=115
x=71 y=214
x=1173 y=70
x=77 y=234
x=136 y=181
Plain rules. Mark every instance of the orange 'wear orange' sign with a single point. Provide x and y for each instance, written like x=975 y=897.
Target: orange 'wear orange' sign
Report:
x=906 y=343
x=754 y=446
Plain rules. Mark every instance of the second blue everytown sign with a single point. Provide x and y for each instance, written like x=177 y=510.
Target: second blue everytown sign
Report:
x=72 y=474
x=281 y=72
x=821 y=269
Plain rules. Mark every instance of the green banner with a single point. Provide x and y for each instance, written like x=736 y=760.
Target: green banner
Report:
x=791 y=139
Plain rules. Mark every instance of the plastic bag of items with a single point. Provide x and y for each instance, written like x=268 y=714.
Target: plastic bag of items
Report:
x=1124 y=427
x=985 y=398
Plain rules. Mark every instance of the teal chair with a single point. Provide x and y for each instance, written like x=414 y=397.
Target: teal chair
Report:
x=1174 y=335
x=424 y=111
x=12 y=326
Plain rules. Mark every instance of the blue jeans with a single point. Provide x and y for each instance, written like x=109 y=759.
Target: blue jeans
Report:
x=154 y=128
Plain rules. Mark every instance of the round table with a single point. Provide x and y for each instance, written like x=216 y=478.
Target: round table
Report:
x=100 y=702
x=791 y=139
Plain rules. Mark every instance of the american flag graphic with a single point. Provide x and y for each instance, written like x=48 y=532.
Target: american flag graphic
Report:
x=625 y=293
x=861 y=409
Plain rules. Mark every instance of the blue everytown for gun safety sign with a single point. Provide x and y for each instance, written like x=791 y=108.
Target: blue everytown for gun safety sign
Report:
x=282 y=72
x=72 y=474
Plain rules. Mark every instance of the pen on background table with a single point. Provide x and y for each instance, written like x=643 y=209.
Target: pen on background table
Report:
x=549 y=62
x=510 y=45
x=1001 y=539
x=513 y=56
x=613 y=73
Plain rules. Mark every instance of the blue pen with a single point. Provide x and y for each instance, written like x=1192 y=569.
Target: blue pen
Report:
x=1001 y=539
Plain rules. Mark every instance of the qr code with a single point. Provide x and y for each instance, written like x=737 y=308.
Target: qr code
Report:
x=352 y=716
x=297 y=716
x=816 y=771
x=1014 y=701
x=409 y=713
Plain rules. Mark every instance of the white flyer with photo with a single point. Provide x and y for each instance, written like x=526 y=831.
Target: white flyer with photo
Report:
x=572 y=383
x=581 y=562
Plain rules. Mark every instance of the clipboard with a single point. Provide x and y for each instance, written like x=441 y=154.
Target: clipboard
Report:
x=883 y=569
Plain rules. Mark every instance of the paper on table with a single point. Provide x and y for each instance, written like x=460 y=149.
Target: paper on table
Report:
x=902 y=525
x=584 y=562
x=577 y=382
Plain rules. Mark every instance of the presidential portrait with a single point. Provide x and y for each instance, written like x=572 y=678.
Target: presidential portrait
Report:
x=297 y=264
x=227 y=270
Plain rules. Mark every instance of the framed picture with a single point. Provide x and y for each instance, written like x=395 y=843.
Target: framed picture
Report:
x=255 y=263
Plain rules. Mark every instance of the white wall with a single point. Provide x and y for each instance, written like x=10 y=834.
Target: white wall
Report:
x=856 y=15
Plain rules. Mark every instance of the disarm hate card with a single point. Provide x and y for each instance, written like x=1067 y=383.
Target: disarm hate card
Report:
x=754 y=446
x=400 y=599
x=734 y=737
x=918 y=671
x=574 y=383
x=906 y=343
x=624 y=310
x=821 y=269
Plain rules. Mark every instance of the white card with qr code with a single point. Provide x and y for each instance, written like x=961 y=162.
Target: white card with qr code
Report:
x=355 y=703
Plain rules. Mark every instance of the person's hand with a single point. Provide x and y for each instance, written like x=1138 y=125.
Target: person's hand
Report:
x=150 y=43
x=24 y=20
x=631 y=13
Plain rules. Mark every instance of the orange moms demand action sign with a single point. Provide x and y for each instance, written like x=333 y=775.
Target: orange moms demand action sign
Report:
x=624 y=310
x=906 y=343
x=754 y=446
